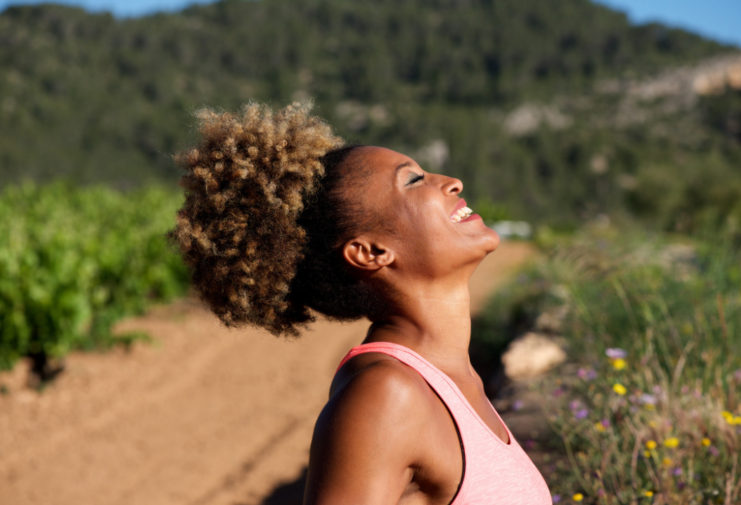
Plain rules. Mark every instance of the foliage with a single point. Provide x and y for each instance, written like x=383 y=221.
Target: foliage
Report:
x=74 y=261
x=647 y=405
x=93 y=98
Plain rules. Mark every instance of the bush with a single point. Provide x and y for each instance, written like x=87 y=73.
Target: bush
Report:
x=647 y=405
x=73 y=261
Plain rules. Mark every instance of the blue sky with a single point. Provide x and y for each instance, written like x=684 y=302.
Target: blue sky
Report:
x=717 y=19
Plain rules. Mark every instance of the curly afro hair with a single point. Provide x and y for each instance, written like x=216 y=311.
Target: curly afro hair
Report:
x=265 y=216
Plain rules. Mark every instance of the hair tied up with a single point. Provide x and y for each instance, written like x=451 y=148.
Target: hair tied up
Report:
x=245 y=185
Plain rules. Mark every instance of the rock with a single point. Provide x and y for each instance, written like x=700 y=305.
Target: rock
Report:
x=531 y=355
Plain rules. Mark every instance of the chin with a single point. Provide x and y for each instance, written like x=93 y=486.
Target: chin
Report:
x=492 y=241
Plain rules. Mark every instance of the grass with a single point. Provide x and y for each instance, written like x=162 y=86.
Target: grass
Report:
x=646 y=407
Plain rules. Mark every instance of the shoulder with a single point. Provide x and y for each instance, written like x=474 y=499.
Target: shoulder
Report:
x=381 y=390
x=371 y=432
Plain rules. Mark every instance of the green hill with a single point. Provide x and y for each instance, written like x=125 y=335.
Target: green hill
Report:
x=522 y=99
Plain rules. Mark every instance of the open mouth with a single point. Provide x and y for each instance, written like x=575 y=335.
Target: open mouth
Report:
x=461 y=212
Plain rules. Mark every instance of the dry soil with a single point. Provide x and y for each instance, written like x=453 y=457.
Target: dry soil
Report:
x=201 y=416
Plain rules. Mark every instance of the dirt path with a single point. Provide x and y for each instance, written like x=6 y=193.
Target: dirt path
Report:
x=204 y=416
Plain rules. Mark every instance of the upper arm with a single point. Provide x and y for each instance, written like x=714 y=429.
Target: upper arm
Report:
x=368 y=438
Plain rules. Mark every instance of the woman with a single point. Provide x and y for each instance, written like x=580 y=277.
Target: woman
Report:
x=282 y=220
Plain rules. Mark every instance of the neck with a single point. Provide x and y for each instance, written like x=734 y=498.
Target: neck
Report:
x=433 y=319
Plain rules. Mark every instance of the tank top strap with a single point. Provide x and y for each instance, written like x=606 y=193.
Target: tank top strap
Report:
x=446 y=389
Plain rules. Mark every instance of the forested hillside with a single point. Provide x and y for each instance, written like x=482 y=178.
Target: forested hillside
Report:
x=532 y=103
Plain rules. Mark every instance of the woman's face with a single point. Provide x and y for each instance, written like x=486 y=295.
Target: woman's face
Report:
x=417 y=210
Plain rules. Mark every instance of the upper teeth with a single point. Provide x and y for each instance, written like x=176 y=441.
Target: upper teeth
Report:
x=461 y=214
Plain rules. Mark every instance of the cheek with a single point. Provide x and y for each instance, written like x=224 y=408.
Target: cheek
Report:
x=424 y=234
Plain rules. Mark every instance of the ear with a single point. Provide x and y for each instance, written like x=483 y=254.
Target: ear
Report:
x=362 y=254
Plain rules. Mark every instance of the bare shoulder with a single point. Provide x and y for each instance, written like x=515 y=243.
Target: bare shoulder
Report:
x=370 y=434
x=376 y=391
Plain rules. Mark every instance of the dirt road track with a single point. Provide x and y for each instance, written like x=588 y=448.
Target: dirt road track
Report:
x=205 y=416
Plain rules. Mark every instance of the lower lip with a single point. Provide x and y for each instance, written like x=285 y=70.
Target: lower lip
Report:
x=472 y=217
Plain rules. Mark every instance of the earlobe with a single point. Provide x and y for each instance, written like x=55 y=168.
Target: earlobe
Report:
x=360 y=253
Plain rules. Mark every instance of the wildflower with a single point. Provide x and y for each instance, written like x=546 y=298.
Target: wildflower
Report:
x=574 y=404
x=584 y=373
x=647 y=454
x=652 y=423
x=518 y=405
x=578 y=497
x=581 y=414
x=619 y=389
x=667 y=461
x=619 y=364
x=730 y=418
x=615 y=353
x=648 y=399
x=648 y=494
x=672 y=442
x=556 y=498
x=677 y=472
x=599 y=427
x=605 y=423
x=705 y=442
x=557 y=392
x=651 y=444
x=714 y=451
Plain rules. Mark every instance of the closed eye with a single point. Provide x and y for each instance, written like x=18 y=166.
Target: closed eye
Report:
x=416 y=178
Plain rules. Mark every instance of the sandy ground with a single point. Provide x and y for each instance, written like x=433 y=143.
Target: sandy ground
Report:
x=203 y=416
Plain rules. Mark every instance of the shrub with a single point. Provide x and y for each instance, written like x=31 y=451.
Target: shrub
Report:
x=73 y=261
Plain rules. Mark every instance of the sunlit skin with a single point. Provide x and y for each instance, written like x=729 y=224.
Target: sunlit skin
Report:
x=385 y=437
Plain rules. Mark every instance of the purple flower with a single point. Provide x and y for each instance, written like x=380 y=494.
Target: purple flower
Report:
x=586 y=374
x=648 y=399
x=518 y=405
x=657 y=389
x=615 y=353
x=557 y=392
x=605 y=423
x=685 y=390
x=581 y=414
x=714 y=451
x=677 y=472
x=574 y=404
x=556 y=498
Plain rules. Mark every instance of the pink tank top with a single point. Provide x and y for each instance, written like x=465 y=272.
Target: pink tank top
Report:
x=495 y=473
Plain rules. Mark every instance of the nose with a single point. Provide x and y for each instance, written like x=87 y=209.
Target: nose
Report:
x=451 y=185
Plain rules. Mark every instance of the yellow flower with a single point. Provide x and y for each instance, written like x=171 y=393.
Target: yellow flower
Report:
x=649 y=406
x=651 y=444
x=648 y=494
x=667 y=461
x=619 y=364
x=599 y=427
x=619 y=389
x=671 y=442
x=652 y=424
x=727 y=416
x=736 y=420
x=706 y=442
x=578 y=497
x=647 y=454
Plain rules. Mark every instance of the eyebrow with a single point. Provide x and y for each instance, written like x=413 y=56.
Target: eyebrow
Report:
x=405 y=164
